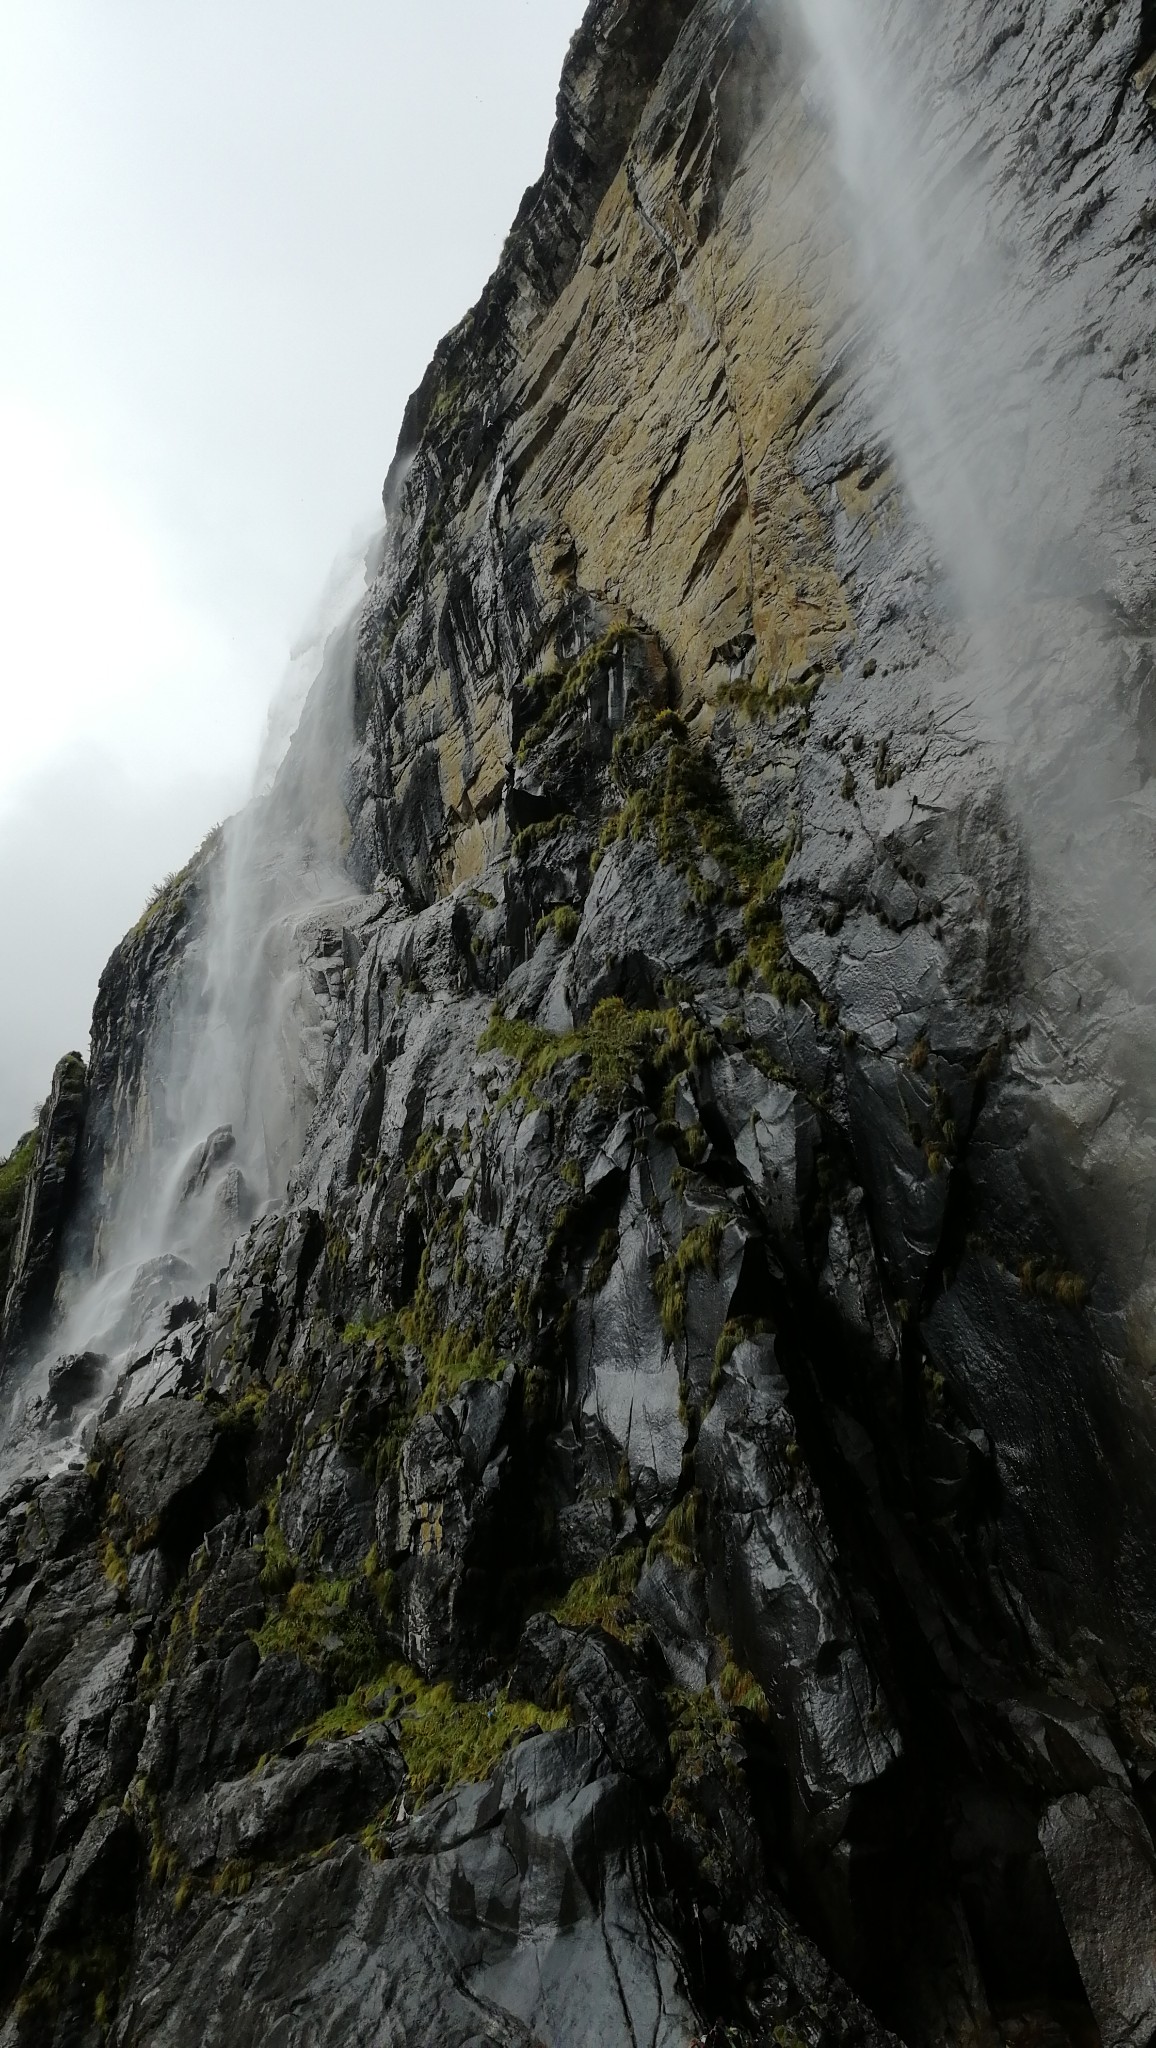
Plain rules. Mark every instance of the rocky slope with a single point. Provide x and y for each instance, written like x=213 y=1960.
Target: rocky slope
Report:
x=654 y=1540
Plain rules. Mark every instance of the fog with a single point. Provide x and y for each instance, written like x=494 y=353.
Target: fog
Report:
x=230 y=240
x=1001 y=380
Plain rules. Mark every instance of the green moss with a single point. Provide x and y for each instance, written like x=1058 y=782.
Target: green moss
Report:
x=88 y=1976
x=14 y=1172
x=764 y=700
x=566 y=689
x=242 y=1416
x=613 y=1047
x=539 y=834
x=698 y=1253
x=278 y=1570
x=233 y=1879
x=168 y=897
x=1053 y=1283
x=741 y=1690
x=563 y=922
x=380 y=1334
x=698 y=1727
x=676 y=1537
x=381 y=1582
x=448 y=1741
x=445 y=1740
x=674 y=790
x=602 y=1598
x=322 y=1623
x=114 y=1565
x=452 y=1354
x=604 y=1261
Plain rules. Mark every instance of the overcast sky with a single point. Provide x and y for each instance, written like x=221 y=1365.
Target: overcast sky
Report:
x=231 y=232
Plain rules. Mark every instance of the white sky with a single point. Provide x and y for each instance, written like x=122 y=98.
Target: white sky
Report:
x=231 y=232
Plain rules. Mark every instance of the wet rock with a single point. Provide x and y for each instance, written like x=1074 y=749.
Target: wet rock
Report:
x=293 y=1806
x=48 y=1196
x=719 y=1203
x=328 y=1511
x=542 y=1652
x=673 y=1600
x=206 y=1162
x=603 y=1683
x=221 y=1715
x=776 y=1588
x=59 y=1516
x=564 y=1943
x=97 y=1883
x=449 y=1507
x=164 y=1457
x=1100 y=1860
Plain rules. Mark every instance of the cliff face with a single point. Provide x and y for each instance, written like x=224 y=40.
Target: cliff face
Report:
x=655 y=1538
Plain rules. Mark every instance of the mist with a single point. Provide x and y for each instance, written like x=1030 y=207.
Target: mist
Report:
x=1018 y=422
x=230 y=241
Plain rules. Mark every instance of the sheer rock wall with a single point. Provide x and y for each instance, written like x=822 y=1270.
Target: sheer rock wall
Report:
x=656 y=1538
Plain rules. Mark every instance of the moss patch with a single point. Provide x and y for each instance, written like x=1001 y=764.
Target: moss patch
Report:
x=602 y=1598
x=168 y=897
x=561 y=692
x=445 y=1740
x=677 y=1536
x=453 y=1354
x=326 y=1623
x=1053 y=1283
x=14 y=1172
x=612 y=1048
x=673 y=789
x=698 y=1253
x=563 y=922
x=766 y=700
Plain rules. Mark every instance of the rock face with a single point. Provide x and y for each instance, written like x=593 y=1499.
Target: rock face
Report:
x=655 y=1537
x=49 y=1195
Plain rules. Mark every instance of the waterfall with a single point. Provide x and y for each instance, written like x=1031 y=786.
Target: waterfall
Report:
x=236 y=1058
x=1024 y=446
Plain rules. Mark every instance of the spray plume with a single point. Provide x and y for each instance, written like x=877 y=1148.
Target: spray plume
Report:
x=1020 y=425
x=237 y=1048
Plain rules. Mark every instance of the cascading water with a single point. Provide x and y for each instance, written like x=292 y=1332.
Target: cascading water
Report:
x=231 y=1080
x=1022 y=435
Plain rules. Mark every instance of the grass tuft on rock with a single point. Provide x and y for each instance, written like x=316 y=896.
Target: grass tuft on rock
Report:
x=562 y=691
x=698 y=1253
x=327 y=1624
x=14 y=1172
x=612 y=1048
x=674 y=790
x=445 y=1740
x=676 y=1536
x=602 y=1598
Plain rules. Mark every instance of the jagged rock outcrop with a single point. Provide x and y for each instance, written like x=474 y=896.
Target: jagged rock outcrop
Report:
x=655 y=1537
x=49 y=1195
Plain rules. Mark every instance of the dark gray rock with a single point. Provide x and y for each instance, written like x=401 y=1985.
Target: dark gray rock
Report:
x=714 y=1203
x=97 y=1884
x=513 y=1915
x=328 y=1511
x=222 y=1715
x=48 y=1197
x=1100 y=1861
x=292 y=1806
x=776 y=1586
x=604 y=1685
x=163 y=1456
